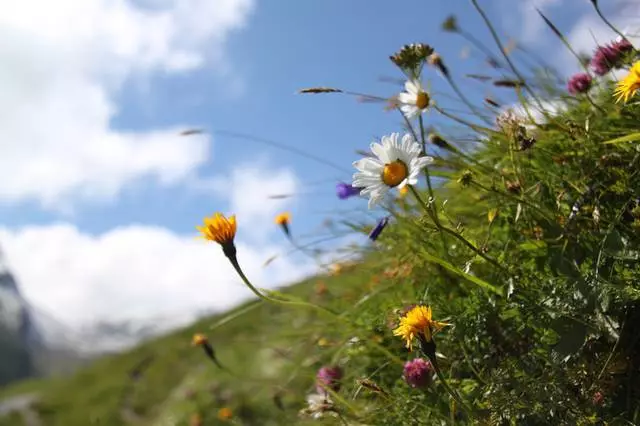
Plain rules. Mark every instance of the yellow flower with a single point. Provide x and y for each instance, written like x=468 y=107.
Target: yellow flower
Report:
x=219 y=229
x=199 y=339
x=418 y=322
x=403 y=191
x=283 y=219
x=628 y=86
x=225 y=413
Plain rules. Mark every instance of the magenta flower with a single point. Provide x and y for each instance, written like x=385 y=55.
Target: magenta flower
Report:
x=608 y=57
x=418 y=373
x=328 y=378
x=579 y=83
x=344 y=190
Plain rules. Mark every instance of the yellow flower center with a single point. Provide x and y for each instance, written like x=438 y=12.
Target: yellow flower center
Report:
x=422 y=100
x=394 y=173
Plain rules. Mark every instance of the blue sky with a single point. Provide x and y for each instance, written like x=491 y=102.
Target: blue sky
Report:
x=220 y=65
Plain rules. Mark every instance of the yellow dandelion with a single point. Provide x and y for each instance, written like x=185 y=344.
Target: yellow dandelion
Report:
x=416 y=322
x=199 y=339
x=219 y=229
x=628 y=86
x=225 y=413
x=283 y=219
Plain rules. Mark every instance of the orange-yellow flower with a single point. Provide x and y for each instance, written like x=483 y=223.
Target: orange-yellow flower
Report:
x=283 y=218
x=199 y=339
x=219 y=229
x=418 y=321
x=628 y=86
x=225 y=413
x=403 y=191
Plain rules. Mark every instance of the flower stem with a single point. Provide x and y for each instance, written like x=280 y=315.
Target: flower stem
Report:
x=234 y=262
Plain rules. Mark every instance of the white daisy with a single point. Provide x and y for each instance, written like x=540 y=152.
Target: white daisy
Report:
x=397 y=164
x=414 y=100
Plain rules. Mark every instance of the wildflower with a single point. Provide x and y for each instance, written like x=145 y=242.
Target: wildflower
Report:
x=450 y=24
x=328 y=378
x=598 y=398
x=225 y=413
x=221 y=230
x=397 y=164
x=411 y=57
x=318 y=406
x=344 y=190
x=403 y=191
x=628 y=86
x=284 y=219
x=418 y=323
x=579 y=83
x=201 y=340
x=438 y=141
x=418 y=373
x=382 y=223
x=608 y=57
x=435 y=60
x=414 y=100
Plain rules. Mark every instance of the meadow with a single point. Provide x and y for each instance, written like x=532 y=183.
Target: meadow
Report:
x=501 y=288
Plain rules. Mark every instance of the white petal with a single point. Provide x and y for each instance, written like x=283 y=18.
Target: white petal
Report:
x=412 y=87
x=410 y=111
x=407 y=98
x=380 y=151
x=370 y=165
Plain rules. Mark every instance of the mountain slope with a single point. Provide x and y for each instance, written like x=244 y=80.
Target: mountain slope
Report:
x=167 y=378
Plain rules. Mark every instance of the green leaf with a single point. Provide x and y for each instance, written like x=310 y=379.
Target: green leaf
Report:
x=629 y=138
x=613 y=242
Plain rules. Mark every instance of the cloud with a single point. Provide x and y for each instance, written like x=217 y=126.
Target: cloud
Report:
x=64 y=64
x=134 y=272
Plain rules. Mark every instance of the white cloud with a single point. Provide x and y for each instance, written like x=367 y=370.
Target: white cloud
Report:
x=64 y=63
x=134 y=272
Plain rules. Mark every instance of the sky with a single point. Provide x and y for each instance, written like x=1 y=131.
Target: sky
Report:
x=100 y=195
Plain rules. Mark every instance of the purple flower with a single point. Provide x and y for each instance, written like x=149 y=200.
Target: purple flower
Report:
x=328 y=378
x=418 y=373
x=375 y=233
x=344 y=190
x=579 y=83
x=608 y=56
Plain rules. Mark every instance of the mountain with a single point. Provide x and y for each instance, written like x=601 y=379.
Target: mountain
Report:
x=19 y=338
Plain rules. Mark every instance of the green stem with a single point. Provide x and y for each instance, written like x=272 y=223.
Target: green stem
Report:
x=496 y=39
x=606 y=21
x=234 y=262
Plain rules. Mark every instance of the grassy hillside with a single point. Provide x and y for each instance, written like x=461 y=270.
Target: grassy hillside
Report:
x=509 y=269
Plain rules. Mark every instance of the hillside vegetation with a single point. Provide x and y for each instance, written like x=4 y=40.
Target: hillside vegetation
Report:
x=509 y=267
